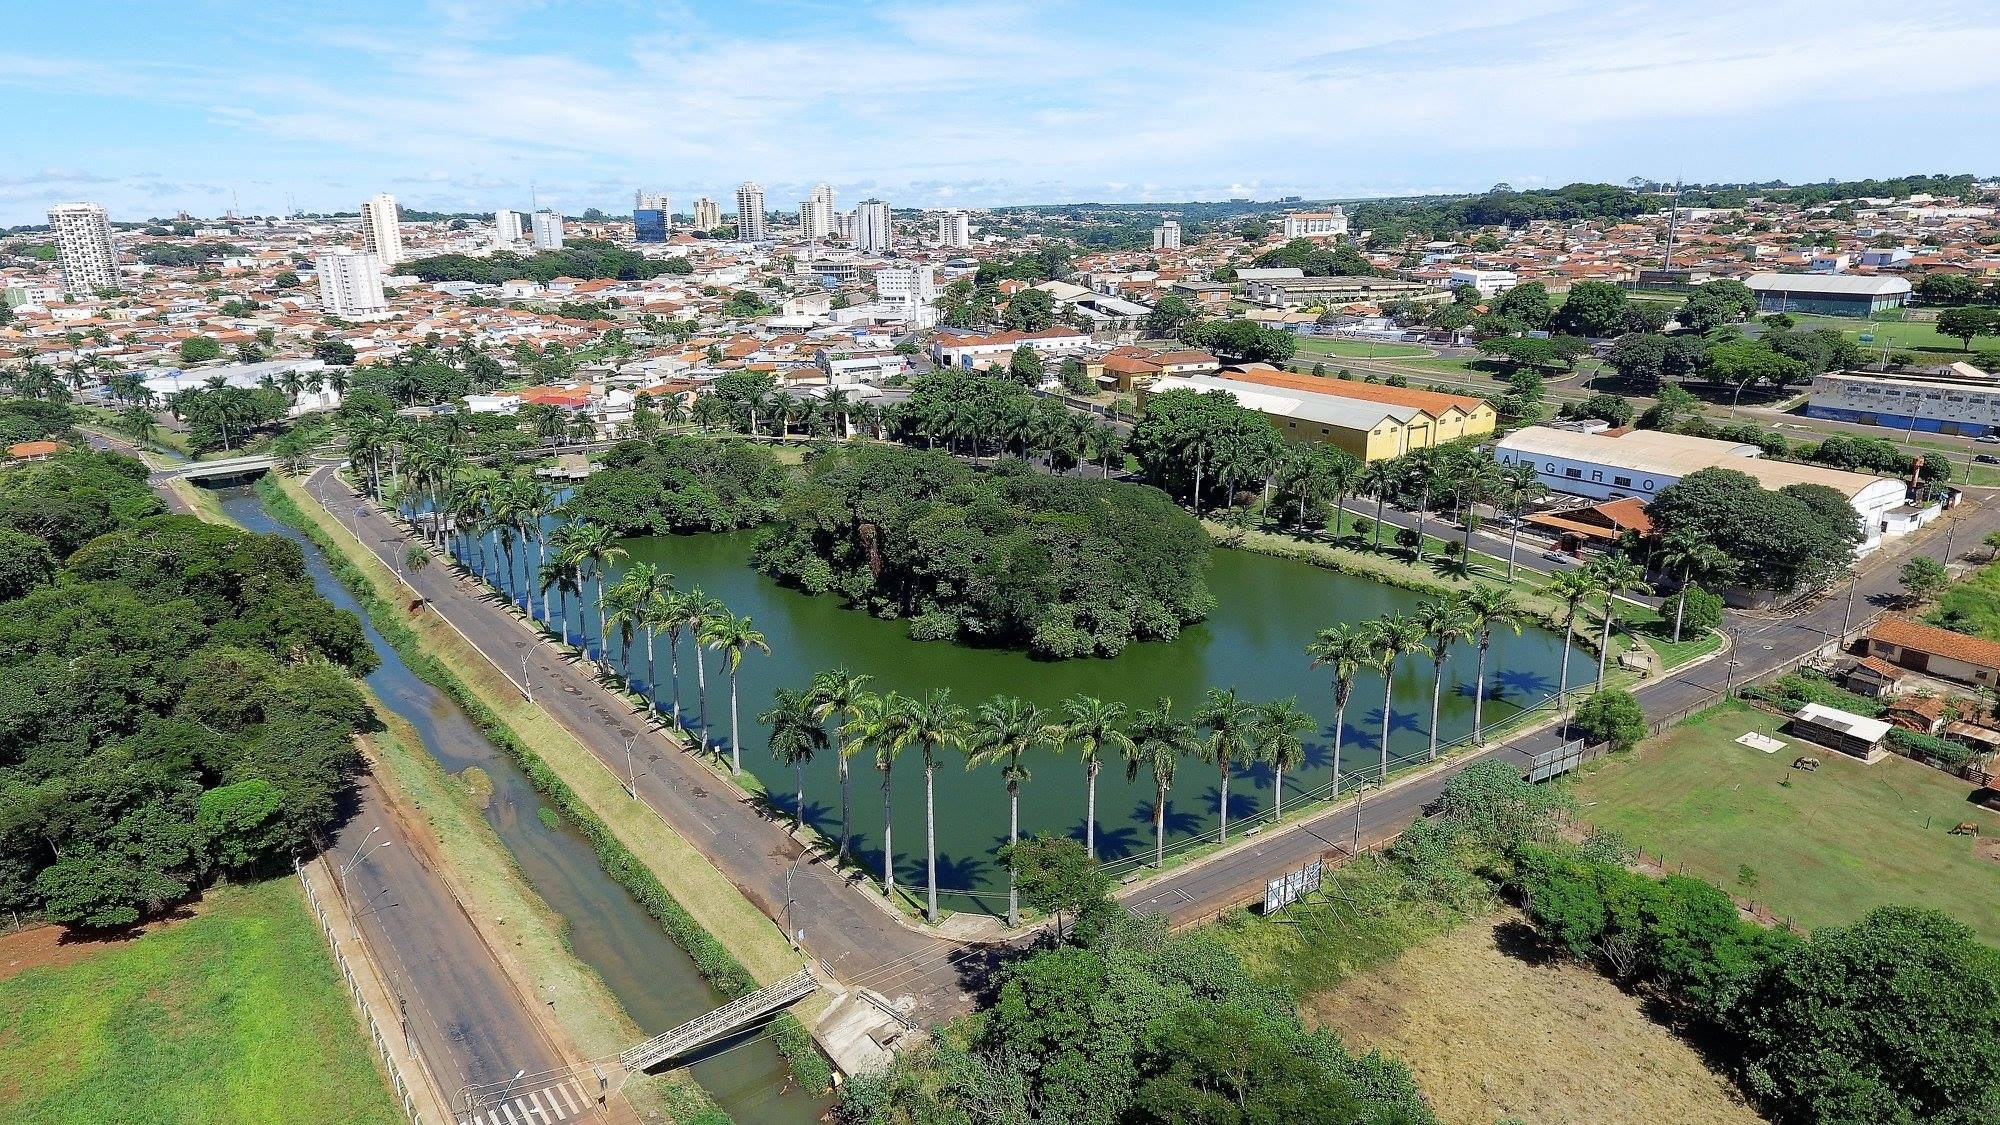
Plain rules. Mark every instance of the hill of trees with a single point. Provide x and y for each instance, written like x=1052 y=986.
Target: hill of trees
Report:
x=586 y=258
x=681 y=484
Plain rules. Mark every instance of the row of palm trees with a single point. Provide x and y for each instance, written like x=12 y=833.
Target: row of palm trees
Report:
x=499 y=529
x=1226 y=731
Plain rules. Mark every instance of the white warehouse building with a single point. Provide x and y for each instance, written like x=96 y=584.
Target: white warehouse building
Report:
x=1641 y=463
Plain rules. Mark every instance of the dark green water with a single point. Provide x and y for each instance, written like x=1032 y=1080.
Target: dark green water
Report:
x=653 y=979
x=1269 y=609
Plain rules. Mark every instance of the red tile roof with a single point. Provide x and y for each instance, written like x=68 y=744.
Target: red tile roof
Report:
x=1907 y=634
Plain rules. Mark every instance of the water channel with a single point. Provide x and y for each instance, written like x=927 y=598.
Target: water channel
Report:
x=1268 y=610
x=653 y=979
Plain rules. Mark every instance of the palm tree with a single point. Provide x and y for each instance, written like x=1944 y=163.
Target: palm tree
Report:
x=673 y=617
x=1521 y=483
x=1278 y=736
x=1689 y=555
x=1392 y=637
x=1344 y=650
x=641 y=594
x=1488 y=606
x=593 y=548
x=733 y=636
x=878 y=724
x=1228 y=721
x=1445 y=622
x=1615 y=575
x=795 y=737
x=1377 y=479
x=1159 y=741
x=837 y=693
x=701 y=610
x=933 y=723
x=1092 y=725
x=1572 y=587
x=1008 y=728
x=560 y=570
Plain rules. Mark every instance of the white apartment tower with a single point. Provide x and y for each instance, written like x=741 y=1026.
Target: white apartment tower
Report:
x=83 y=247
x=381 y=232
x=506 y=226
x=871 y=227
x=707 y=215
x=954 y=230
x=1167 y=236
x=350 y=283
x=547 y=226
x=816 y=213
x=749 y=213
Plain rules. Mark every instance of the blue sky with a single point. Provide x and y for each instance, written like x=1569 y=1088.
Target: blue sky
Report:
x=462 y=104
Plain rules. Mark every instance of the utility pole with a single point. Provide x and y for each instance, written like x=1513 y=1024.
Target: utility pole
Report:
x=1847 y=618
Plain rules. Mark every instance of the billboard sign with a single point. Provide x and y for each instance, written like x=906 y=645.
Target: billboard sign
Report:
x=1292 y=886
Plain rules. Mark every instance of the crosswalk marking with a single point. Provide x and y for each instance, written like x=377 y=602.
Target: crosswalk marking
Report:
x=550 y=1105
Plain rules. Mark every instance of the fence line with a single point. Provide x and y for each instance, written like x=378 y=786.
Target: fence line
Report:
x=405 y=1095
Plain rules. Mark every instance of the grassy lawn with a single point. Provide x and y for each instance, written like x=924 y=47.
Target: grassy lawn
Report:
x=1490 y=1034
x=235 y=1015
x=1972 y=606
x=1656 y=629
x=1823 y=849
x=1357 y=349
x=1900 y=335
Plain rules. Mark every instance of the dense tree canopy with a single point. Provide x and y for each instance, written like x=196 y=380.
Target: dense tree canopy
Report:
x=1794 y=538
x=1063 y=567
x=680 y=484
x=175 y=700
x=1201 y=446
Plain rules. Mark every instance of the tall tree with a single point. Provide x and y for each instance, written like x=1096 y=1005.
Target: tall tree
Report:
x=934 y=722
x=796 y=737
x=1093 y=727
x=1488 y=607
x=1445 y=622
x=1343 y=650
x=1615 y=574
x=1571 y=587
x=837 y=694
x=1278 y=736
x=1388 y=641
x=1005 y=730
x=1159 y=742
x=1229 y=722
x=733 y=636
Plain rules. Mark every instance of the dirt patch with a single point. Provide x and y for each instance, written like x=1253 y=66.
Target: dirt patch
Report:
x=1490 y=1034
x=53 y=946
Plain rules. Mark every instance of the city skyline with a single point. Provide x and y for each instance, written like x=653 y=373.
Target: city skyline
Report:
x=462 y=107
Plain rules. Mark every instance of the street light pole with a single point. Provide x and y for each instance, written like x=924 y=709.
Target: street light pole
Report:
x=349 y=865
x=527 y=692
x=1847 y=618
x=1729 y=681
x=631 y=777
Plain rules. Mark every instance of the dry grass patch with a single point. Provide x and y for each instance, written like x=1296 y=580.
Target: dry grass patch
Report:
x=1490 y=1035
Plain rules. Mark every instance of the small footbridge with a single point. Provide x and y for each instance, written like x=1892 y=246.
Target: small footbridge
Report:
x=720 y=1023
x=221 y=470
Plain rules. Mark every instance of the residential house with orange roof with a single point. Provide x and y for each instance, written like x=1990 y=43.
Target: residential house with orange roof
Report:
x=1936 y=652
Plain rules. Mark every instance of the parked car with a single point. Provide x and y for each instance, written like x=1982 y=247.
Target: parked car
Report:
x=1557 y=556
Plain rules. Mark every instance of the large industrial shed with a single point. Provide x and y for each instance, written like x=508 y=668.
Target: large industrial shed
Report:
x=1828 y=294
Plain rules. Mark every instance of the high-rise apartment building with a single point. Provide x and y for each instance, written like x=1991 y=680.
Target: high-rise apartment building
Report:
x=907 y=285
x=707 y=214
x=954 y=230
x=381 y=230
x=350 y=282
x=547 y=226
x=816 y=213
x=506 y=226
x=1167 y=236
x=871 y=227
x=83 y=247
x=750 y=213
x=652 y=216
x=1329 y=223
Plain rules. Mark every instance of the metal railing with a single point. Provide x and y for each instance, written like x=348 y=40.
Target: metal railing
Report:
x=731 y=1016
